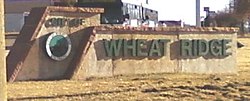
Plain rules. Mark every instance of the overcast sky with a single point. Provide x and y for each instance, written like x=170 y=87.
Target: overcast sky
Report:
x=184 y=9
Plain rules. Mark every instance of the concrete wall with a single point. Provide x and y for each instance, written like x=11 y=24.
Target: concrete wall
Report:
x=98 y=64
x=28 y=59
x=42 y=67
x=211 y=65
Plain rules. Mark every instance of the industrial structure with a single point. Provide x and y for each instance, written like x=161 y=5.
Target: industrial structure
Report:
x=198 y=14
x=121 y=12
x=17 y=10
x=133 y=13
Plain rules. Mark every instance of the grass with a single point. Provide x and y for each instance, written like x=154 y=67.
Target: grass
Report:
x=169 y=86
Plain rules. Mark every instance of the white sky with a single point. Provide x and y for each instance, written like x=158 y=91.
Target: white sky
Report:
x=185 y=9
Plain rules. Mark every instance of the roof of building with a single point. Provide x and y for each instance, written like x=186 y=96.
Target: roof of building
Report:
x=20 y=6
x=171 y=22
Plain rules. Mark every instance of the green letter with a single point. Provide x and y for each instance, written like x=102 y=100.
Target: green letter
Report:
x=131 y=46
x=216 y=47
x=112 y=47
x=141 y=45
x=155 y=48
x=195 y=47
x=203 y=48
x=186 y=47
x=225 y=47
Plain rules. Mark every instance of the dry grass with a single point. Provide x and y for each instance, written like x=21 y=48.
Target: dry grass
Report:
x=144 y=87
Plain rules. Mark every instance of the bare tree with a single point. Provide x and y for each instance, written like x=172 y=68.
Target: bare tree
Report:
x=224 y=19
x=69 y=2
x=242 y=12
x=242 y=8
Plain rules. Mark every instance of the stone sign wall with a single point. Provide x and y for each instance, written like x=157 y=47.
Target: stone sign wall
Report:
x=140 y=51
x=36 y=51
x=70 y=43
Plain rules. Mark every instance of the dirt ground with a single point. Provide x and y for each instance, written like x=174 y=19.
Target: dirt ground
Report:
x=144 y=87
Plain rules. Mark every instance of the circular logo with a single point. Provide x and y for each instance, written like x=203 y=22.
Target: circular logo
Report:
x=58 y=46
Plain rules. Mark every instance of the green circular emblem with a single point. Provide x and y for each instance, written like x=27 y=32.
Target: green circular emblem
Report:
x=58 y=46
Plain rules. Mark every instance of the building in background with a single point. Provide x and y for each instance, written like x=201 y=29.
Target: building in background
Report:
x=127 y=12
x=17 y=10
x=171 y=23
x=132 y=13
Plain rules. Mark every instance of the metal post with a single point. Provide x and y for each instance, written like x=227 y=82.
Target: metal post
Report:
x=198 y=15
x=3 y=85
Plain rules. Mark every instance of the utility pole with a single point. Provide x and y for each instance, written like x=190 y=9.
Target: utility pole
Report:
x=198 y=14
x=3 y=85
